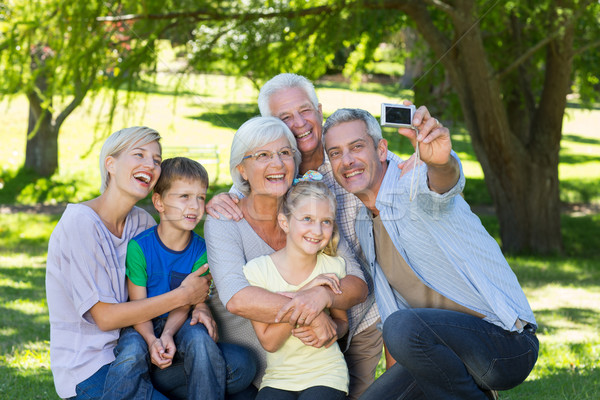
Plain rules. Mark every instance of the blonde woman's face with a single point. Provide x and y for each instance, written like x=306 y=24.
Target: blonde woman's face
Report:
x=136 y=170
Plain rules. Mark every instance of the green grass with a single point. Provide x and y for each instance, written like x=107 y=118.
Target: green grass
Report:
x=564 y=291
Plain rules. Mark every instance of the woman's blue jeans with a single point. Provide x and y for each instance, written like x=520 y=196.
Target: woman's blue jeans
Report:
x=444 y=354
x=129 y=375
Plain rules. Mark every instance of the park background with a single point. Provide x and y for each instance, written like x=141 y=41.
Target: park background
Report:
x=151 y=73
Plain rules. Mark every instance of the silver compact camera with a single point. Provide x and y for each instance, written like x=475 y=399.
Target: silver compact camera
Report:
x=397 y=115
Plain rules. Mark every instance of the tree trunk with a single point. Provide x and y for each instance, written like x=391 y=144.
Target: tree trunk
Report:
x=41 y=153
x=521 y=168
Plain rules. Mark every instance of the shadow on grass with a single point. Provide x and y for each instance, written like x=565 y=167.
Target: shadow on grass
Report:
x=539 y=272
x=580 y=190
x=580 y=139
x=29 y=246
x=30 y=384
x=583 y=107
x=567 y=384
x=231 y=115
x=146 y=86
x=24 y=328
x=579 y=316
x=388 y=90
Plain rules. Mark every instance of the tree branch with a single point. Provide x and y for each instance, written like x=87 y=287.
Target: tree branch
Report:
x=445 y=7
x=200 y=15
x=501 y=74
x=585 y=48
x=80 y=93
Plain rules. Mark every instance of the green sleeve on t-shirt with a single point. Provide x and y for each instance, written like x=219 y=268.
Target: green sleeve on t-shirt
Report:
x=200 y=262
x=135 y=264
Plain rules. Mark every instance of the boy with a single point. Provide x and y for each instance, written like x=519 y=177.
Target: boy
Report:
x=158 y=259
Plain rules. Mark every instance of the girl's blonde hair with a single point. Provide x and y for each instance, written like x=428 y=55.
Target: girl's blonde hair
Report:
x=315 y=191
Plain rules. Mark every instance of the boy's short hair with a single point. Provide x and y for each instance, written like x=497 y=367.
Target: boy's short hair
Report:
x=176 y=168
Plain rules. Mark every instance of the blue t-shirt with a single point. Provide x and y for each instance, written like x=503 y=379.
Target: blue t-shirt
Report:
x=151 y=264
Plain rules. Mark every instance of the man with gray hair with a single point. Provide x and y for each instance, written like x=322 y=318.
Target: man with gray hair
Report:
x=292 y=99
x=454 y=316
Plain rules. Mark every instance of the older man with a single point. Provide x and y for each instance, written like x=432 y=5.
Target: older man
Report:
x=455 y=317
x=292 y=99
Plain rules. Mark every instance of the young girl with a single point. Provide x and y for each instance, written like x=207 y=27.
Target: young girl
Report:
x=295 y=369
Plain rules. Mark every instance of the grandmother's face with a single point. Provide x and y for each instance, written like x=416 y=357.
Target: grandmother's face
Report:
x=269 y=169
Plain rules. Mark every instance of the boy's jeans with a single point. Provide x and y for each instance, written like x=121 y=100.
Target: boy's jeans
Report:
x=240 y=367
x=129 y=375
x=448 y=355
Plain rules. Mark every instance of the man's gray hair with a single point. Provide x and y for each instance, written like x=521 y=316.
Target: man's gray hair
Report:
x=354 y=114
x=284 y=81
x=256 y=132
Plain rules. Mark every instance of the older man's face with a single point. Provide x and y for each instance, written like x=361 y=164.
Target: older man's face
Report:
x=356 y=161
x=292 y=106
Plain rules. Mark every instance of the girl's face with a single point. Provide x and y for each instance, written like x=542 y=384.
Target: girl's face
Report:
x=310 y=226
x=136 y=170
x=272 y=174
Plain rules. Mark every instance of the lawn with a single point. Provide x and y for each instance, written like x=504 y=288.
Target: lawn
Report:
x=564 y=291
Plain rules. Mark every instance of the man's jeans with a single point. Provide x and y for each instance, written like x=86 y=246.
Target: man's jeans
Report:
x=448 y=355
x=128 y=377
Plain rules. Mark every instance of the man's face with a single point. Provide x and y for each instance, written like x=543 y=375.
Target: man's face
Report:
x=292 y=106
x=356 y=161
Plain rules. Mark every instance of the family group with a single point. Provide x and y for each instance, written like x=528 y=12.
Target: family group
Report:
x=328 y=251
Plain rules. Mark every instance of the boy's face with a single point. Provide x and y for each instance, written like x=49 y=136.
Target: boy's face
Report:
x=182 y=205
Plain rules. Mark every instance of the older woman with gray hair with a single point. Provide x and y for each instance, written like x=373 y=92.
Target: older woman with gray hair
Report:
x=264 y=162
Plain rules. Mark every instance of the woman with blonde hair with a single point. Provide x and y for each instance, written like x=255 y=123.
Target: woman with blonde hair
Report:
x=85 y=277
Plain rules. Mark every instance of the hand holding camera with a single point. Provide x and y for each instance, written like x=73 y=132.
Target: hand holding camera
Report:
x=419 y=125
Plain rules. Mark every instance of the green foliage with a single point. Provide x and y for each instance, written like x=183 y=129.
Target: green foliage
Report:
x=26 y=187
x=246 y=40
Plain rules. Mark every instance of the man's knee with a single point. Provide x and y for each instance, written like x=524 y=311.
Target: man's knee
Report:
x=399 y=331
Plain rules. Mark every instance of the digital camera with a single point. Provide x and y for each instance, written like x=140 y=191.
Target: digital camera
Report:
x=397 y=115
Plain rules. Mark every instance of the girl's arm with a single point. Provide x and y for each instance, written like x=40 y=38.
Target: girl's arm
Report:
x=272 y=336
x=193 y=290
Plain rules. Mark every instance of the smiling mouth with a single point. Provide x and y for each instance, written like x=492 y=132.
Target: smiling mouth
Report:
x=311 y=240
x=276 y=177
x=303 y=135
x=143 y=177
x=353 y=173
x=190 y=216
